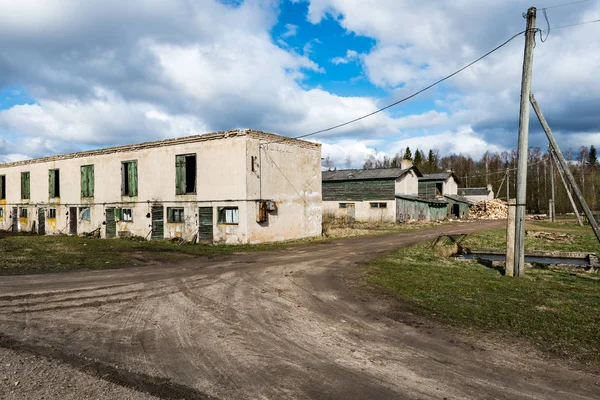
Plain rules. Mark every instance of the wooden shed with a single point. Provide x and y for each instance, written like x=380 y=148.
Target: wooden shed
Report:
x=458 y=206
x=424 y=209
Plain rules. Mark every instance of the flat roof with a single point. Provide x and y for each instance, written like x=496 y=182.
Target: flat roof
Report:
x=271 y=138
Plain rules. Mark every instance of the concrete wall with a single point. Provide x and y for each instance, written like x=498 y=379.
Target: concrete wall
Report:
x=450 y=186
x=291 y=177
x=407 y=184
x=363 y=210
x=223 y=178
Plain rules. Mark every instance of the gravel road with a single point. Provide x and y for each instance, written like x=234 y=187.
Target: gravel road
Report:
x=286 y=324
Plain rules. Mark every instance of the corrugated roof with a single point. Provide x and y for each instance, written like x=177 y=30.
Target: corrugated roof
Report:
x=458 y=198
x=483 y=191
x=434 y=200
x=439 y=176
x=364 y=174
x=268 y=137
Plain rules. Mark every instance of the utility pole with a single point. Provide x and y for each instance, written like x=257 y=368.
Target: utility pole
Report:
x=553 y=201
x=563 y=163
x=523 y=144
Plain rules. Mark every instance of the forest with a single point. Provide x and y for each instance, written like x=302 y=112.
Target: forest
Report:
x=499 y=170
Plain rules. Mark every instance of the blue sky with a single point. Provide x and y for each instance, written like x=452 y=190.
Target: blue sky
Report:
x=79 y=75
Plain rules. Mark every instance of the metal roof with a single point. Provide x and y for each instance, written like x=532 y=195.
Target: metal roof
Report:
x=434 y=200
x=481 y=191
x=364 y=174
x=458 y=198
x=439 y=176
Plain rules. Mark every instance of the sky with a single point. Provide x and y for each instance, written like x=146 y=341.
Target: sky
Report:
x=80 y=75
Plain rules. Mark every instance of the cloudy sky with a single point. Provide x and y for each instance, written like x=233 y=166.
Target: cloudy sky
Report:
x=77 y=75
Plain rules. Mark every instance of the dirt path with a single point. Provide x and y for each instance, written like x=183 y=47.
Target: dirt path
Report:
x=279 y=324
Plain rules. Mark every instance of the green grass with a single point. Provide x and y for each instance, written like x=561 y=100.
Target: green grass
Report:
x=557 y=310
x=27 y=253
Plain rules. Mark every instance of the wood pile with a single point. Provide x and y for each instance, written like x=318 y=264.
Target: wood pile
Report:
x=554 y=236
x=489 y=209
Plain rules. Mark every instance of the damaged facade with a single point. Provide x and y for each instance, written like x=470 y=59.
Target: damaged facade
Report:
x=477 y=194
x=241 y=186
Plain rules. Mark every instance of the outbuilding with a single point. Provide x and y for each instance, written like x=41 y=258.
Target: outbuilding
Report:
x=414 y=207
x=367 y=194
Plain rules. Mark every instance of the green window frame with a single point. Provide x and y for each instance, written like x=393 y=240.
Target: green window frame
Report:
x=2 y=187
x=25 y=185
x=129 y=178
x=185 y=174
x=378 y=205
x=87 y=180
x=52 y=213
x=23 y=213
x=53 y=183
x=342 y=205
x=124 y=214
x=175 y=214
x=1 y=212
x=228 y=215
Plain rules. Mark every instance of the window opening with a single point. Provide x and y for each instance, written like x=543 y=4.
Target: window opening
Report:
x=228 y=215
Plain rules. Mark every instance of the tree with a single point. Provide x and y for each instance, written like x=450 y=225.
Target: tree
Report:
x=407 y=154
x=348 y=161
x=328 y=164
x=418 y=158
x=369 y=162
x=397 y=161
x=592 y=159
x=432 y=161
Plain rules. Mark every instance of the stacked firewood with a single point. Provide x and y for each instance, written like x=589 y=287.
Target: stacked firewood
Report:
x=489 y=209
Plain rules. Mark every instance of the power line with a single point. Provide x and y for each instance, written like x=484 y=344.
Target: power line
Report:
x=581 y=23
x=565 y=4
x=410 y=96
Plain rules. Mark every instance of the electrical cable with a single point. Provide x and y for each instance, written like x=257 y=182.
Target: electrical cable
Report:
x=565 y=4
x=407 y=97
x=581 y=23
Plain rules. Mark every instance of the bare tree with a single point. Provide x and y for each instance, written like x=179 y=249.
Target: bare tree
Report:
x=348 y=162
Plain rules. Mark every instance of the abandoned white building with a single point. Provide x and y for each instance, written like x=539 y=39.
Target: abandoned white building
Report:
x=240 y=186
x=368 y=194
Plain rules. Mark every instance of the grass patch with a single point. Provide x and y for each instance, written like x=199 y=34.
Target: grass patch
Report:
x=559 y=311
x=27 y=253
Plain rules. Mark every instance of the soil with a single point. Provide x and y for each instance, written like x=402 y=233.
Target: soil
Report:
x=286 y=324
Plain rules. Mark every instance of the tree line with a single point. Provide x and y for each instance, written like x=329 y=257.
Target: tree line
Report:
x=499 y=170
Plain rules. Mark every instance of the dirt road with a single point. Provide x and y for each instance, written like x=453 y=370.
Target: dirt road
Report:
x=281 y=324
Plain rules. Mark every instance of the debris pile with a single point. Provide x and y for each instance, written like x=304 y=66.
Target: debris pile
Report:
x=489 y=209
x=554 y=236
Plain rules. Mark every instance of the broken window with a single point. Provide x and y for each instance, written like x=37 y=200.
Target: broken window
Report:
x=439 y=189
x=2 y=187
x=342 y=205
x=175 y=214
x=129 y=178
x=228 y=215
x=87 y=181
x=53 y=183
x=52 y=213
x=378 y=205
x=23 y=213
x=124 y=214
x=185 y=174
x=85 y=214
x=25 y=185
x=1 y=212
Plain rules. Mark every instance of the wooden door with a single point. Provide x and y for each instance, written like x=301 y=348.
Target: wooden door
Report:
x=205 y=225
x=15 y=219
x=41 y=221
x=73 y=220
x=111 y=224
x=158 y=223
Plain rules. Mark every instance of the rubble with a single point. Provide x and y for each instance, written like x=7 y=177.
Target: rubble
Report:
x=489 y=209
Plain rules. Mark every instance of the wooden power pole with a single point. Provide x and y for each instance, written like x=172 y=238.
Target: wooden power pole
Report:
x=569 y=195
x=519 y=259
x=565 y=167
x=553 y=200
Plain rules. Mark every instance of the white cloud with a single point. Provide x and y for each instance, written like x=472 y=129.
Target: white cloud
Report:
x=290 y=30
x=351 y=56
